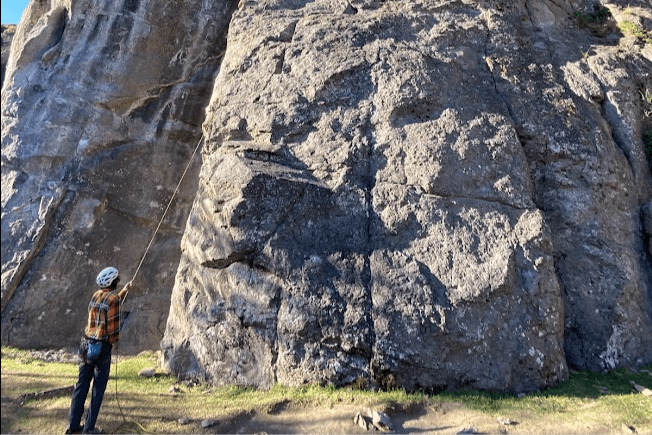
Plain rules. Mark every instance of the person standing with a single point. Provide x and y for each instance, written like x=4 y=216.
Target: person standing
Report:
x=102 y=330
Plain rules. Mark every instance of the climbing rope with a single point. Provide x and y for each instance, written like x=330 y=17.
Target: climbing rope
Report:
x=117 y=349
x=124 y=419
x=168 y=207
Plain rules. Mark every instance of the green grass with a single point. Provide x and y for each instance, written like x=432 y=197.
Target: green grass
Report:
x=581 y=390
x=149 y=400
x=36 y=375
x=629 y=28
x=149 y=406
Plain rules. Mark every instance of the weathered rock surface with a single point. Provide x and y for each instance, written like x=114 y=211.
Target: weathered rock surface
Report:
x=411 y=192
x=424 y=194
x=8 y=31
x=101 y=111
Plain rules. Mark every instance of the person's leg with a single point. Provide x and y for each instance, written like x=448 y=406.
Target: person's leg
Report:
x=100 y=379
x=79 y=397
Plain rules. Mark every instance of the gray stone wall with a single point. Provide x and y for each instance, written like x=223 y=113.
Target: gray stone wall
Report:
x=102 y=109
x=423 y=194
x=8 y=31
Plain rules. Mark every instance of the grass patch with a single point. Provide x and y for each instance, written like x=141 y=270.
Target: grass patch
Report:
x=30 y=375
x=603 y=401
x=629 y=28
x=150 y=401
x=607 y=393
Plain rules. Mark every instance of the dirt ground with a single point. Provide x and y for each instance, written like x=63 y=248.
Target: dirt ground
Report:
x=340 y=419
x=420 y=418
x=448 y=418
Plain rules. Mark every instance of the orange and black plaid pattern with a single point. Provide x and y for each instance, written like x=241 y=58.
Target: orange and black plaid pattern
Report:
x=104 y=315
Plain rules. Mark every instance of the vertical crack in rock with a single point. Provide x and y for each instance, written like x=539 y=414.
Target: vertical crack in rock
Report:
x=37 y=233
x=490 y=67
x=607 y=106
x=367 y=278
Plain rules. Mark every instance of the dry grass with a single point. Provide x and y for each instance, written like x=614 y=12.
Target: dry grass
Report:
x=586 y=403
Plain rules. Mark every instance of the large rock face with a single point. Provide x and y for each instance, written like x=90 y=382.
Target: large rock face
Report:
x=424 y=194
x=101 y=111
x=413 y=192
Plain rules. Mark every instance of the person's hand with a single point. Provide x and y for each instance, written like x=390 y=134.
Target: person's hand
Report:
x=128 y=285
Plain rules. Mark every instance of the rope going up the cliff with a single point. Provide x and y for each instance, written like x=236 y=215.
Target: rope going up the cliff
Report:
x=192 y=157
x=117 y=353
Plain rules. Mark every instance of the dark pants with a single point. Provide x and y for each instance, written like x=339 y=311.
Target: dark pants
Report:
x=98 y=371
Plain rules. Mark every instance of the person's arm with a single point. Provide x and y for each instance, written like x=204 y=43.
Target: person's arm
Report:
x=125 y=290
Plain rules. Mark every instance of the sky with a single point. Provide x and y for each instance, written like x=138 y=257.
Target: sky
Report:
x=12 y=10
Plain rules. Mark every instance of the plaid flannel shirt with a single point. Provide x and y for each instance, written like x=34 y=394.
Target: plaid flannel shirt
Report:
x=104 y=315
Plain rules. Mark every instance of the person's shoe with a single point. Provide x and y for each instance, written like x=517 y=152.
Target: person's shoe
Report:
x=77 y=430
x=94 y=430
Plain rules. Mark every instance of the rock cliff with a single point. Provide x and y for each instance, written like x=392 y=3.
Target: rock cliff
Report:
x=102 y=108
x=427 y=194
x=8 y=31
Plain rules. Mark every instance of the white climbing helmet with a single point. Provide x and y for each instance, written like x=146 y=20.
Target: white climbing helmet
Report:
x=106 y=277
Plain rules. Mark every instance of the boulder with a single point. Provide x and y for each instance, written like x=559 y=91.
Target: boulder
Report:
x=428 y=196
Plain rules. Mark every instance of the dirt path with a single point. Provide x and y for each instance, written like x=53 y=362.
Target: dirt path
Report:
x=289 y=418
x=422 y=418
x=449 y=418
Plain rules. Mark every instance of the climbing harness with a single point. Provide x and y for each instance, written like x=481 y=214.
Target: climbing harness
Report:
x=117 y=349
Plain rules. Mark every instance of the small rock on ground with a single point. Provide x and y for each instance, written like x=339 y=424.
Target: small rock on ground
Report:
x=147 y=373
x=207 y=423
x=628 y=428
x=506 y=421
x=174 y=389
x=644 y=391
x=381 y=420
x=361 y=421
